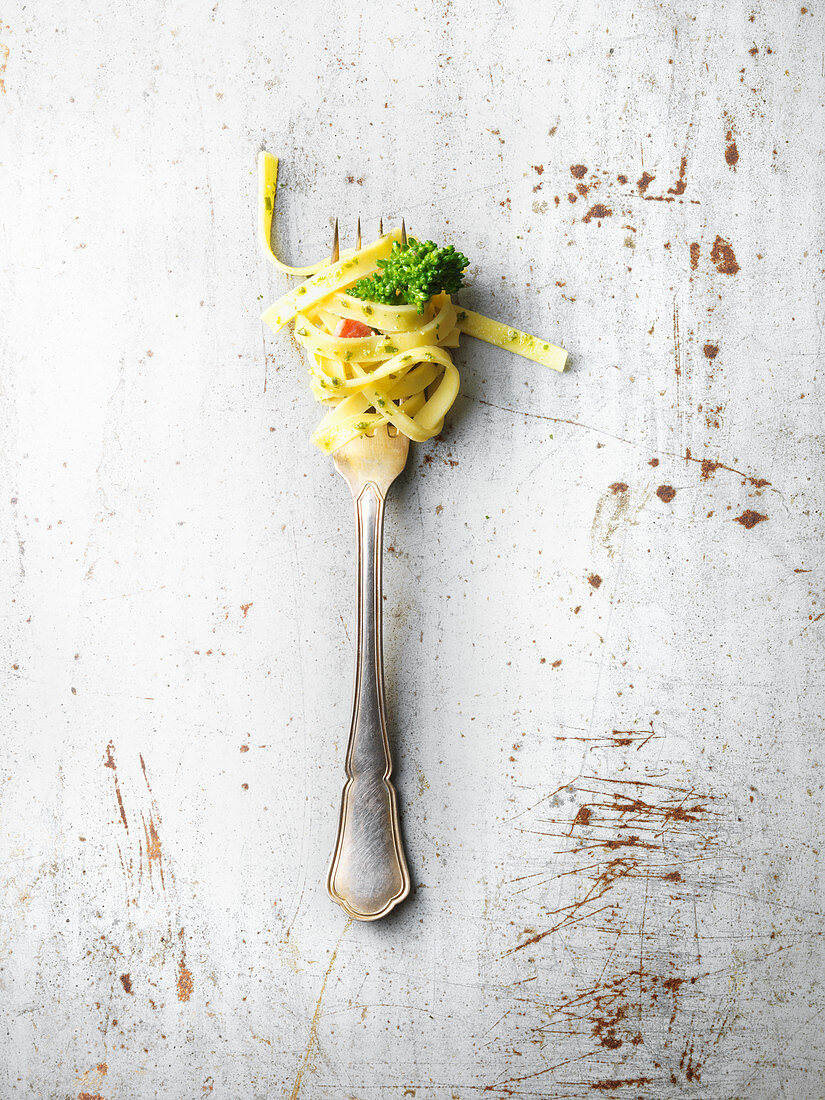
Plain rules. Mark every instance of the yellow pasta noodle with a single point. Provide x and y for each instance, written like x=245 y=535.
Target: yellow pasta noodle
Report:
x=403 y=373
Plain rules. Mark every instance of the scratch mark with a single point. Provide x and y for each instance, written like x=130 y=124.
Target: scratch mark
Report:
x=313 y=1027
x=757 y=482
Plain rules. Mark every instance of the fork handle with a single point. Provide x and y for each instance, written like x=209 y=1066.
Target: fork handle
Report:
x=368 y=874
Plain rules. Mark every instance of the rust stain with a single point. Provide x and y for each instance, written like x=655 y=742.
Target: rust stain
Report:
x=612 y=1083
x=154 y=849
x=595 y=580
x=185 y=982
x=110 y=763
x=666 y=493
x=711 y=351
x=644 y=182
x=578 y=170
x=619 y=487
x=749 y=518
x=723 y=256
x=245 y=608
x=731 y=152
x=653 y=462
x=706 y=464
x=126 y=982
x=313 y=1027
x=582 y=817
x=709 y=468
x=103 y=1068
x=694 y=255
x=4 y=60
x=680 y=186
x=597 y=211
x=90 y=1096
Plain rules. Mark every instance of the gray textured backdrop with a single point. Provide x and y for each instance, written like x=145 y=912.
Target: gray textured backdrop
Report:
x=604 y=588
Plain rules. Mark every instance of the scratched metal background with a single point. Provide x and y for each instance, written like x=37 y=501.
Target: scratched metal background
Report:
x=604 y=589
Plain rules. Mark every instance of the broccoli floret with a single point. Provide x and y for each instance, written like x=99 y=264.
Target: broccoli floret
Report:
x=412 y=273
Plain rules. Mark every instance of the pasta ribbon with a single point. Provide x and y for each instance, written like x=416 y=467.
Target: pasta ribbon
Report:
x=402 y=373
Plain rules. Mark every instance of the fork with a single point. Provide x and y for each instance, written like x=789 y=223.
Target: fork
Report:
x=368 y=873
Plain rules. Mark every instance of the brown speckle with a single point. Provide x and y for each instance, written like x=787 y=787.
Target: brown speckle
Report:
x=595 y=580
x=711 y=351
x=246 y=606
x=622 y=179
x=653 y=462
x=694 y=255
x=619 y=487
x=578 y=170
x=749 y=518
x=126 y=982
x=598 y=211
x=556 y=664
x=731 y=152
x=666 y=493
x=538 y=169
x=722 y=255
x=644 y=182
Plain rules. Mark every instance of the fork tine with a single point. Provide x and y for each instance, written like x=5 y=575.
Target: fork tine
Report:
x=358 y=235
x=334 y=254
x=403 y=232
x=380 y=227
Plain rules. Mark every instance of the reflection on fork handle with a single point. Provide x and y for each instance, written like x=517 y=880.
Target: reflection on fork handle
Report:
x=368 y=874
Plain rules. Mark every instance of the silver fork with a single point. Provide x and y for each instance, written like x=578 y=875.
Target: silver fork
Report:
x=368 y=873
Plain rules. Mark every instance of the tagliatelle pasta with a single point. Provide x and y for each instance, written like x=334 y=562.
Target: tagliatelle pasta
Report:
x=402 y=373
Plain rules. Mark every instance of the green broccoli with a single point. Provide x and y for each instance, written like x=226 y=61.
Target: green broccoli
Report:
x=412 y=273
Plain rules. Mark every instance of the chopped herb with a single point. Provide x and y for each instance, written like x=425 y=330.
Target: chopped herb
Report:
x=392 y=350
x=301 y=290
x=461 y=316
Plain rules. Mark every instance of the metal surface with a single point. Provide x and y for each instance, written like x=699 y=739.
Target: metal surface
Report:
x=604 y=669
x=368 y=874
